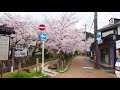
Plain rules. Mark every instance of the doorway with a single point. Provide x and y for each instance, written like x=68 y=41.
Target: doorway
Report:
x=105 y=58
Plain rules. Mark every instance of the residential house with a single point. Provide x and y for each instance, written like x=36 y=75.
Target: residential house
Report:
x=108 y=44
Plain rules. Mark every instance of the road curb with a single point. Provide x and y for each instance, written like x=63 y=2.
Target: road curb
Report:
x=50 y=72
x=66 y=68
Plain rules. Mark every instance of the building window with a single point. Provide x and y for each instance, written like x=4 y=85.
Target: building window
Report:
x=105 y=56
x=118 y=52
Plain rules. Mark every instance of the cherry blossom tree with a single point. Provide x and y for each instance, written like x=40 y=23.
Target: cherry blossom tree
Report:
x=63 y=35
x=88 y=43
x=25 y=27
x=61 y=32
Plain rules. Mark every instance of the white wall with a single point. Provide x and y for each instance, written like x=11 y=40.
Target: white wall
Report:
x=118 y=30
x=117 y=44
x=107 y=33
x=117 y=47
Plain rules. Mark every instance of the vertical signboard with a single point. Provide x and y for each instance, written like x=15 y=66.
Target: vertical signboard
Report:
x=4 y=47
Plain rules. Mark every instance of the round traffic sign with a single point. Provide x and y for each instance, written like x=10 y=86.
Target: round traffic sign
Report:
x=98 y=36
x=41 y=27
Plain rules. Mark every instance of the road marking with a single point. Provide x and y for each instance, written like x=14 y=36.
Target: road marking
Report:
x=89 y=67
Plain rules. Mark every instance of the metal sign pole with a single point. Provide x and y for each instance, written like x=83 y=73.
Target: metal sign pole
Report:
x=43 y=57
x=43 y=39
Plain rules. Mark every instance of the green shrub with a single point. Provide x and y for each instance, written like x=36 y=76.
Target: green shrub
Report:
x=38 y=73
x=22 y=74
x=49 y=59
x=60 y=69
x=51 y=55
x=68 y=56
x=25 y=61
x=7 y=75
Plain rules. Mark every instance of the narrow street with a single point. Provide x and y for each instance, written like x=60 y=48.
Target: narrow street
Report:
x=81 y=67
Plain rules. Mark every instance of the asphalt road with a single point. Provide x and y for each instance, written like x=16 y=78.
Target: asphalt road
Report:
x=81 y=67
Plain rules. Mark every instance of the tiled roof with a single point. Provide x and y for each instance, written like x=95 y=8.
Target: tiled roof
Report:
x=109 y=26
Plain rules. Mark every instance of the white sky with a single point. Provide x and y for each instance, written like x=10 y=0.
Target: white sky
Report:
x=85 y=17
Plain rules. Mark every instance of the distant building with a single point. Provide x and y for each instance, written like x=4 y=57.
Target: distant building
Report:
x=108 y=44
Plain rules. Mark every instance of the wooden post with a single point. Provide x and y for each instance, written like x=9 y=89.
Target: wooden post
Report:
x=2 y=69
x=37 y=64
x=19 y=67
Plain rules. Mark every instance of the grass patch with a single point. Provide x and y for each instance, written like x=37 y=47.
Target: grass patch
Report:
x=37 y=74
x=16 y=75
x=23 y=74
x=60 y=70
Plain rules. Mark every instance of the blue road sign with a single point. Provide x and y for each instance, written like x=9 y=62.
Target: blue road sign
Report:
x=98 y=36
x=43 y=36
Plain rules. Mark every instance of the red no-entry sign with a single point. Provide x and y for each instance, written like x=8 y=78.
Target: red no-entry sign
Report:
x=41 y=27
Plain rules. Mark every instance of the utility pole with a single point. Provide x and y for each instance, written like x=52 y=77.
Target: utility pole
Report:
x=85 y=39
x=96 y=42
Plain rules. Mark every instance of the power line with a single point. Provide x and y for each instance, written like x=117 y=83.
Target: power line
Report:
x=87 y=19
x=91 y=24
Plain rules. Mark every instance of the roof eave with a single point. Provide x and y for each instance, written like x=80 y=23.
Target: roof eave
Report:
x=110 y=27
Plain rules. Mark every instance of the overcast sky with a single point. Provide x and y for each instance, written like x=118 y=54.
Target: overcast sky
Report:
x=85 y=17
